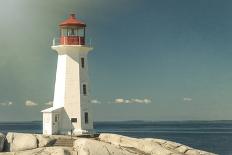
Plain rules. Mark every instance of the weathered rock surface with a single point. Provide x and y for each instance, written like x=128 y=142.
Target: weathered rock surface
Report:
x=86 y=146
x=20 y=141
x=106 y=144
x=44 y=140
x=44 y=151
x=2 y=141
x=151 y=146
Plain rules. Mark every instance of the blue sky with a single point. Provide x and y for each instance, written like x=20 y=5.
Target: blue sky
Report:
x=152 y=60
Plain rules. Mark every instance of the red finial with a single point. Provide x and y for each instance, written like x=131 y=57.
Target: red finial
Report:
x=72 y=15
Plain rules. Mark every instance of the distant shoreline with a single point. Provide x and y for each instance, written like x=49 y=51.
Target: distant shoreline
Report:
x=136 y=121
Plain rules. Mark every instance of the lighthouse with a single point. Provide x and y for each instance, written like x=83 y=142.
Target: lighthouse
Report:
x=71 y=112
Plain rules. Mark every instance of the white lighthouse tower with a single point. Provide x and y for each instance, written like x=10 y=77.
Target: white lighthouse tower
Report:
x=71 y=111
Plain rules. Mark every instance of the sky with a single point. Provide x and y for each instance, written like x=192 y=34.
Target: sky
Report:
x=154 y=60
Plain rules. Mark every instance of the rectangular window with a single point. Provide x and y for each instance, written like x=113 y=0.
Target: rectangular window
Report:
x=81 y=32
x=72 y=32
x=73 y=120
x=86 y=118
x=84 y=89
x=64 y=32
x=82 y=62
x=76 y=32
x=56 y=118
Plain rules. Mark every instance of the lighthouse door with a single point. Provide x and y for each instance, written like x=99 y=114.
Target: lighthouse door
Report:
x=55 y=124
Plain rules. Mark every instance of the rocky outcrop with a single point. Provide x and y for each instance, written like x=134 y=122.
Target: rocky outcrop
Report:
x=151 y=146
x=105 y=144
x=2 y=141
x=20 y=141
x=86 y=146
x=44 y=140
x=44 y=151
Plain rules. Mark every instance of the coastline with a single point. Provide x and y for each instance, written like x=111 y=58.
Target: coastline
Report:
x=104 y=144
x=200 y=135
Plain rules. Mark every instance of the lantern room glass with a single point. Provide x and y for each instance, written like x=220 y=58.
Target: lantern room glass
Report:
x=72 y=35
x=73 y=31
x=81 y=32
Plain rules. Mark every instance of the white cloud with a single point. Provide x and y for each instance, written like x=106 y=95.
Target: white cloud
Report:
x=188 y=99
x=29 y=103
x=132 y=101
x=96 y=101
x=6 y=103
x=127 y=101
x=147 y=101
x=119 y=100
x=48 y=103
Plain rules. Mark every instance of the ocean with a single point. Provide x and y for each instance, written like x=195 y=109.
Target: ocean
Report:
x=213 y=136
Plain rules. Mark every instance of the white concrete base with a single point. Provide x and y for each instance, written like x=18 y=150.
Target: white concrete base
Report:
x=83 y=132
x=78 y=132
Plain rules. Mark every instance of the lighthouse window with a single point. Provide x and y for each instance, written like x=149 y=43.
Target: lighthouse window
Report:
x=64 y=32
x=71 y=32
x=76 y=32
x=86 y=118
x=82 y=62
x=73 y=120
x=56 y=118
x=84 y=89
x=81 y=32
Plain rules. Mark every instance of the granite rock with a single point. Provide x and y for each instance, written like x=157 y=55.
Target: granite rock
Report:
x=151 y=146
x=2 y=141
x=86 y=146
x=44 y=151
x=20 y=141
x=105 y=144
x=45 y=141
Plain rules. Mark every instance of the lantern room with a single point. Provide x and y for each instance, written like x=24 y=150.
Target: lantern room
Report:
x=72 y=31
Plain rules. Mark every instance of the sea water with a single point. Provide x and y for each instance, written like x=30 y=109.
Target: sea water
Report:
x=213 y=136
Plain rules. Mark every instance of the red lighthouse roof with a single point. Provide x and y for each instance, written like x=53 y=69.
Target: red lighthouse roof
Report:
x=72 y=21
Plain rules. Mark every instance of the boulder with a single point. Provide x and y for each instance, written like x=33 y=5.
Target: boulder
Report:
x=47 y=151
x=26 y=144
x=2 y=141
x=151 y=146
x=8 y=142
x=154 y=148
x=86 y=146
x=44 y=151
x=148 y=146
x=197 y=152
x=182 y=149
x=119 y=140
x=20 y=141
x=44 y=140
x=7 y=153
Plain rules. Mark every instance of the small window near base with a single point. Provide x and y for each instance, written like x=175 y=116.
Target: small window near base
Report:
x=73 y=120
x=86 y=118
x=84 y=89
x=82 y=62
x=56 y=118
